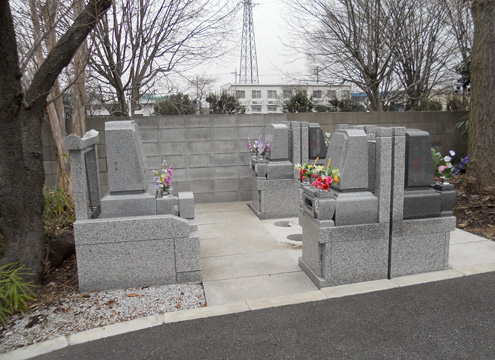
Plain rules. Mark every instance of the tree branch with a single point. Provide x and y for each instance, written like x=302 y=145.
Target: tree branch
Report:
x=63 y=52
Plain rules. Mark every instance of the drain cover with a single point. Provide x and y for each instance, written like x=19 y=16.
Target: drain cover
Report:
x=281 y=224
x=295 y=237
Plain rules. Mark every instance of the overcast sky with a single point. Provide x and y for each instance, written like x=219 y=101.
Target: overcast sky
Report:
x=273 y=60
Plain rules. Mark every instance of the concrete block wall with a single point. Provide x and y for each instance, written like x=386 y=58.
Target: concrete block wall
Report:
x=439 y=124
x=210 y=155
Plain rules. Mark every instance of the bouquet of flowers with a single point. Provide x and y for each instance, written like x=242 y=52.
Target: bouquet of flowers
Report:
x=327 y=176
x=306 y=171
x=258 y=147
x=163 y=177
x=443 y=166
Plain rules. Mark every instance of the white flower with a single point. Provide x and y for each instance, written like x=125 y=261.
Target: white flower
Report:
x=449 y=165
x=452 y=153
x=447 y=159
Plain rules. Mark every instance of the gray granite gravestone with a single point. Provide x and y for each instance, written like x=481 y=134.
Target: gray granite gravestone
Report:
x=127 y=251
x=421 y=218
x=126 y=172
x=411 y=232
x=420 y=199
x=274 y=190
x=125 y=157
x=278 y=136
x=345 y=232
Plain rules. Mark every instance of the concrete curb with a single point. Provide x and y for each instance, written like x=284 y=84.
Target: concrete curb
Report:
x=242 y=306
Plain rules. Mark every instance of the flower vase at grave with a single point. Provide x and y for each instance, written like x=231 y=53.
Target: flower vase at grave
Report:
x=162 y=192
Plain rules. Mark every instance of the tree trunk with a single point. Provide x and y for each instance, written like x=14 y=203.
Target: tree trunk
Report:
x=55 y=106
x=21 y=161
x=79 y=88
x=481 y=147
x=374 y=97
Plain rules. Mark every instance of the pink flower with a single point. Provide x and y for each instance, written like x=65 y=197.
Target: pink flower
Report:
x=441 y=168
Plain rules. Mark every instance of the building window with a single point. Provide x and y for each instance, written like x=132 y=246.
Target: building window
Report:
x=317 y=94
x=272 y=109
x=272 y=94
x=256 y=94
x=345 y=94
x=331 y=94
x=256 y=109
x=240 y=94
x=287 y=94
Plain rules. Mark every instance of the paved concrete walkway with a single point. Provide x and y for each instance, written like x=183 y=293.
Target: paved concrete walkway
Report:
x=251 y=264
x=255 y=261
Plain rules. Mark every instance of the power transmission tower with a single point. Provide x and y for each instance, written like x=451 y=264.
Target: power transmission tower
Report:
x=248 y=73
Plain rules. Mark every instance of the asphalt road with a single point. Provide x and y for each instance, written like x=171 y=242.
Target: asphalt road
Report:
x=451 y=319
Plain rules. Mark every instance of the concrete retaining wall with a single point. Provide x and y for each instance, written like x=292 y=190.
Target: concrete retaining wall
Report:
x=209 y=153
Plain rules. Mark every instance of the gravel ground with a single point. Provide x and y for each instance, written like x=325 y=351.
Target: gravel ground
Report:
x=78 y=312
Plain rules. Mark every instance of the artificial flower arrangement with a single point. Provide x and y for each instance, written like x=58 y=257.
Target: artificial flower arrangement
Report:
x=306 y=171
x=320 y=176
x=443 y=166
x=258 y=147
x=327 y=176
x=163 y=178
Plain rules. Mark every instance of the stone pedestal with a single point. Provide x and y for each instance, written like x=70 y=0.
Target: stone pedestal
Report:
x=274 y=198
x=420 y=245
x=121 y=253
x=337 y=255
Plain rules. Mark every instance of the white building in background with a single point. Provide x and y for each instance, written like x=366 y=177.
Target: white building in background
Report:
x=270 y=98
x=145 y=107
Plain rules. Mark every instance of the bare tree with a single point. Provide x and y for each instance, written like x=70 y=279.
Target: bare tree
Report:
x=424 y=53
x=79 y=88
x=460 y=23
x=353 y=41
x=44 y=18
x=38 y=26
x=480 y=170
x=21 y=160
x=202 y=86
x=139 y=42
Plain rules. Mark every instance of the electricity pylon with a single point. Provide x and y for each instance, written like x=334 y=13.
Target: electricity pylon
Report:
x=248 y=73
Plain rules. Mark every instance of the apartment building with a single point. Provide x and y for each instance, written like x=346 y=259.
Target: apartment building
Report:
x=270 y=98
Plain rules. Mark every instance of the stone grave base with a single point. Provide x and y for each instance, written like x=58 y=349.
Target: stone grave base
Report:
x=127 y=205
x=338 y=255
x=273 y=199
x=420 y=245
x=120 y=253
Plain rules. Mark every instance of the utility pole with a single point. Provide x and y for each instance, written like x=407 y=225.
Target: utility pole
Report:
x=248 y=73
